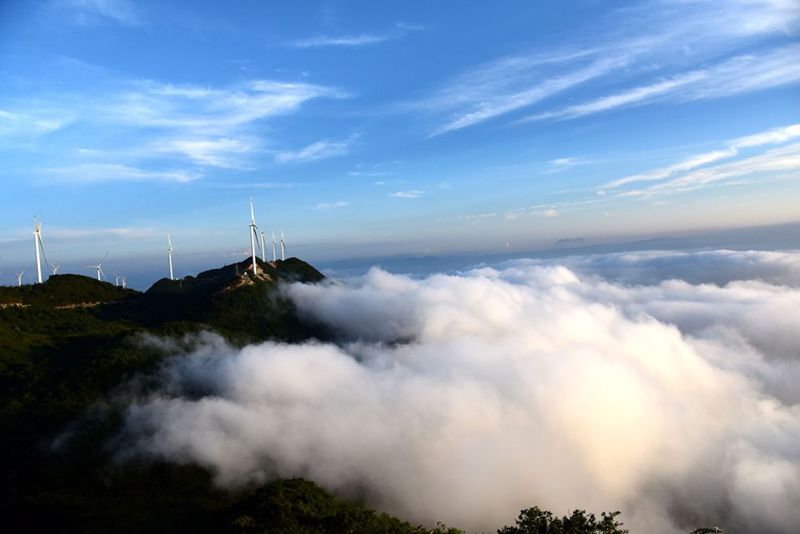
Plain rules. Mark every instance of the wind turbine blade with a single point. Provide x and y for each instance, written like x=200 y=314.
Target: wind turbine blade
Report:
x=104 y=259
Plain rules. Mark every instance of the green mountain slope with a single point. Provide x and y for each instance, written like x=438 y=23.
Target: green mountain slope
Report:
x=63 y=290
x=66 y=344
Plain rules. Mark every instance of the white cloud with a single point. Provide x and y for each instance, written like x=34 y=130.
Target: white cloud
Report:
x=14 y=125
x=363 y=39
x=480 y=91
x=332 y=205
x=738 y=75
x=640 y=53
x=412 y=193
x=669 y=401
x=472 y=217
x=114 y=172
x=565 y=162
x=314 y=151
x=774 y=136
x=343 y=40
x=79 y=234
x=205 y=110
x=732 y=148
x=199 y=125
x=775 y=161
x=257 y=185
x=88 y=12
x=223 y=152
x=631 y=96
x=718 y=267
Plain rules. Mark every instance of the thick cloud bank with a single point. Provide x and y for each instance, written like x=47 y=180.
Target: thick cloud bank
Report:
x=704 y=267
x=466 y=398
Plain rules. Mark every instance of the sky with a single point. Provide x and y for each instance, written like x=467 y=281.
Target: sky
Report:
x=378 y=128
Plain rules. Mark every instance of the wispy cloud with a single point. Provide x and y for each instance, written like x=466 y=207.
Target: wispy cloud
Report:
x=89 y=12
x=114 y=172
x=62 y=233
x=14 y=125
x=189 y=111
x=413 y=193
x=411 y=27
x=562 y=164
x=342 y=40
x=207 y=110
x=470 y=218
x=222 y=152
x=255 y=185
x=315 y=151
x=732 y=149
x=172 y=125
x=643 y=63
x=565 y=162
x=493 y=105
x=554 y=209
x=400 y=30
x=331 y=205
x=739 y=75
x=374 y=170
x=776 y=161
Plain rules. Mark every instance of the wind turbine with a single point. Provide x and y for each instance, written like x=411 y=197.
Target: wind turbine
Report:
x=19 y=278
x=263 y=247
x=99 y=268
x=116 y=280
x=55 y=269
x=169 y=253
x=283 y=247
x=38 y=244
x=253 y=235
x=124 y=281
x=274 y=256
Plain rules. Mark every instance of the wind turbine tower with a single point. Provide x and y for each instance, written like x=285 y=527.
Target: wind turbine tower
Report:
x=283 y=247
x=169 y=254
x=19 y=278
x=263 y=247
x=253 y=236
x=39 y=246
x=274 y=256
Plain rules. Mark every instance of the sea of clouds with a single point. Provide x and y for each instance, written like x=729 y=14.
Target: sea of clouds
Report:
x=661 y=384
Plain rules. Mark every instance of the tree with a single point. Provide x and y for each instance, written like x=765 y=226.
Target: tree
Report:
x=537 y=521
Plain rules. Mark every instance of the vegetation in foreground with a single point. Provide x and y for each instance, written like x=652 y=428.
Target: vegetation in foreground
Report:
x=67 y=344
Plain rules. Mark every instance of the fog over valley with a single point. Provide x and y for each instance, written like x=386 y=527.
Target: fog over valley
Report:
x=603 y=382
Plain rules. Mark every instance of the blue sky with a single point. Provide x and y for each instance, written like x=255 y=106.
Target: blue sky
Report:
x=369 y=128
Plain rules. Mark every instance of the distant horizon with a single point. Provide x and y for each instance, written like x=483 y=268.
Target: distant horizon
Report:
x=148 y=268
